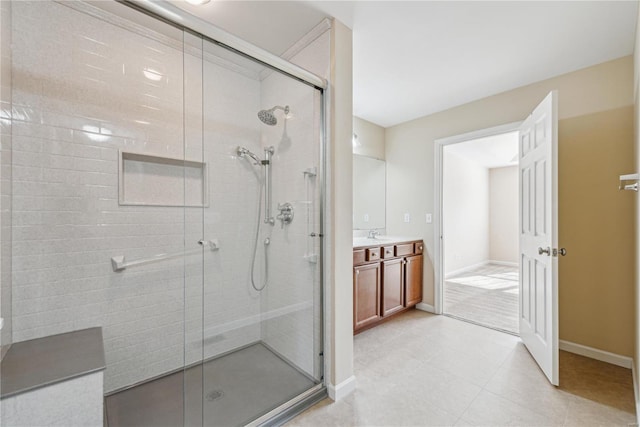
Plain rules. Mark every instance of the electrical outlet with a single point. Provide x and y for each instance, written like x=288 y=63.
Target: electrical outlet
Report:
x=366 y=217
x=407 y=217
x=429 y=218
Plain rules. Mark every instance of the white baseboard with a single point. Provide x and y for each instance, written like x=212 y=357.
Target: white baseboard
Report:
x=425 y=307
x=636 y=392
x=342 y=390
x=594 y=353
x=505 y=263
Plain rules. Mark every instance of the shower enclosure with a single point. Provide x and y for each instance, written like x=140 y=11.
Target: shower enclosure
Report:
x=159 y=194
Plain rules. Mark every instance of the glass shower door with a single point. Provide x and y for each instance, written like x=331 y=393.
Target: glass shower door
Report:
x=261 y=290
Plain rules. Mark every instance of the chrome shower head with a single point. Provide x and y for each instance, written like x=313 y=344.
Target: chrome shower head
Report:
x=268 y=118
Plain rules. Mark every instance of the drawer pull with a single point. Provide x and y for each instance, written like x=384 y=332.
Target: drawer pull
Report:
x=388 y=251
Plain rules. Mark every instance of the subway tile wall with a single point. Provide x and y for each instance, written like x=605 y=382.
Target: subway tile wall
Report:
x=76 y=402
x=5 y=176
x=80 y=94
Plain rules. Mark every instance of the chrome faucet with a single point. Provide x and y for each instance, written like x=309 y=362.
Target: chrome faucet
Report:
x=373 y=234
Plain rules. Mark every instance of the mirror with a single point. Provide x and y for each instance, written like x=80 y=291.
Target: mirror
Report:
x=369 y=184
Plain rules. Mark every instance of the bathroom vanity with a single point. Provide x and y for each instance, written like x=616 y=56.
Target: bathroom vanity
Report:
x=387 y=278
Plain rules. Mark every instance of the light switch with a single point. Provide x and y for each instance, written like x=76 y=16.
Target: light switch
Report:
x=407 y=217
x=429 y=218
x=366 y=217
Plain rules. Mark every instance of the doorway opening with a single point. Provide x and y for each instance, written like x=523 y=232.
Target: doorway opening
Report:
x=479 y=228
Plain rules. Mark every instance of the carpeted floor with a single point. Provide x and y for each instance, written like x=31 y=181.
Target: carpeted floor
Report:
x=487 y=295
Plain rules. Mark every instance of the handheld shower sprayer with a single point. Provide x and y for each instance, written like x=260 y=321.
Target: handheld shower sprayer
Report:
x=268 y=219
x=243 y=152
x=268 y=118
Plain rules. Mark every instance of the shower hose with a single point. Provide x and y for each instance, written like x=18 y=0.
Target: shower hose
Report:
x=255 y=247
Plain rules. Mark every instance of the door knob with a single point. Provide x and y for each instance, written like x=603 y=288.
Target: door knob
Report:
x=561 y=251
x=544 y=251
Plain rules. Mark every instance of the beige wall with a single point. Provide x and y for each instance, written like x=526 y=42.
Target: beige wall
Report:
x=503 y=214
x=465 y=208
x=339 y=199
x=370 y=138
x=597 y=227
x=410 y=165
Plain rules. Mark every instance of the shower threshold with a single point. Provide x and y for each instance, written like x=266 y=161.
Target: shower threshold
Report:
x=231 y=390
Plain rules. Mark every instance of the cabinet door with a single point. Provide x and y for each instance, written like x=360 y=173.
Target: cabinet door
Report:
x=413 y=280
x=366 y=295
x=392 y=286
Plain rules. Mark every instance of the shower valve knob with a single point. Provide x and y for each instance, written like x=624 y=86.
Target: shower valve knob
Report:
x=286 y=213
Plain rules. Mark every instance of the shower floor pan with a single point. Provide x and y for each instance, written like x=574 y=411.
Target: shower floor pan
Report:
x=231 y=390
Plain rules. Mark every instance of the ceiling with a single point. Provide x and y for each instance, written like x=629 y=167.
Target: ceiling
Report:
x=490 y=152
x=415 y=58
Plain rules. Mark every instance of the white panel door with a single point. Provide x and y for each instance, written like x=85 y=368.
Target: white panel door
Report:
x=538 y=149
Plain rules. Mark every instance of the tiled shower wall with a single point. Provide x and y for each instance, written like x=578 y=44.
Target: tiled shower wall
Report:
x=80 y=94
x=5 y=176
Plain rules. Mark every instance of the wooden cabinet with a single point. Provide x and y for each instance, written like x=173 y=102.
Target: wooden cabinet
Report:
x=386 y=280
x=413 y=280
x=392 y=286
x=366 y=295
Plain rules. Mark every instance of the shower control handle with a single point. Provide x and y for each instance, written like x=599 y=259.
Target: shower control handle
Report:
x=286 y=213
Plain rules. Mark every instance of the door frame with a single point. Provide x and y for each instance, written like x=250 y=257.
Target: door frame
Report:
x=438 y=243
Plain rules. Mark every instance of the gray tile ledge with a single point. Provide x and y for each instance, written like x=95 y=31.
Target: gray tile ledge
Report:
x=40 y=362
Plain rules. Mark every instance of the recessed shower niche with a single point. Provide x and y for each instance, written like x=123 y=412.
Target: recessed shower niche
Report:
x=146 y=180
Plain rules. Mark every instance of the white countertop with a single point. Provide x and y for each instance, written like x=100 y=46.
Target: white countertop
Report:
x=381 y=240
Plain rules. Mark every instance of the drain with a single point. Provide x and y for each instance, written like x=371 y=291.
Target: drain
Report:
x=215 y=395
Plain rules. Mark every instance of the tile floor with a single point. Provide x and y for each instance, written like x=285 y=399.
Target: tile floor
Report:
x=421 y=369
x=486 y=295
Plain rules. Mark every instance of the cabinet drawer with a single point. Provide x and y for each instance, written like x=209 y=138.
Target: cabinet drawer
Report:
x=372 y=254
x=387 y=252
x=418 y=247
x=358 y=256
x=404 y=249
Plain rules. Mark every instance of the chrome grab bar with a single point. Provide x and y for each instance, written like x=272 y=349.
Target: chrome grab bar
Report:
x=118 y=263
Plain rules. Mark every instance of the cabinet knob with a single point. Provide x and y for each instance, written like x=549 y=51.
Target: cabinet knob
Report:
x=420 y=247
